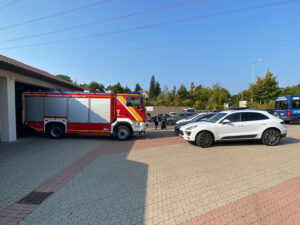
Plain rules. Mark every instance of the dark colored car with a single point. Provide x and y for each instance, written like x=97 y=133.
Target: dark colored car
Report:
x=173 y=119
x=159 y=116
x=200 y=117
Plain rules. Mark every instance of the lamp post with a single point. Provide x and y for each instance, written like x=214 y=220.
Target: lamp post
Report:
x=253 y=63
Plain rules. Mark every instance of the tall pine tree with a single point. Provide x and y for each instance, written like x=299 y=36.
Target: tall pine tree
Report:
x=138 y=87
x=152 y=89
x=157 y=89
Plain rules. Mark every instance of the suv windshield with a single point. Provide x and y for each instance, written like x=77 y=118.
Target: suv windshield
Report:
x=203 y=117
x=192 y=116
x=216 y=117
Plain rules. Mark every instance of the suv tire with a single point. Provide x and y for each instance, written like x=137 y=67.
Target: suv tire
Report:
x=271 y=137
x=204 y=139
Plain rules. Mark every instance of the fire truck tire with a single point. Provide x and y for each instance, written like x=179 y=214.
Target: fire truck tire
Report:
x=123 y=133
x=56 y=131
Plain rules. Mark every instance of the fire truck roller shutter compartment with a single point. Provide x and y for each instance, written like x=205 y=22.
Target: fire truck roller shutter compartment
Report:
x=78 y=110
x=34 y=109
x=100 y=110
x=55 y=107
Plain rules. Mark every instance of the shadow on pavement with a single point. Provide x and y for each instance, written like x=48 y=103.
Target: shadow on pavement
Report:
x=148 y=135
x=288 y=140
x=110 y=189
x=283 y=141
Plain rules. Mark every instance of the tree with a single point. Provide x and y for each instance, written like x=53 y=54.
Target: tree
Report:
x=84 y=86
x=127 y=89
x=265 y=89
x=96 y=87
x=292 y=90
x=200 y=95
x=173 y=93
x=65 y=77
x=157 y=89
x=138 y=87
x=177 y=100
x=117 y=88
x=152 y=88
x=187 y=103
x=199 y=105
x=219 y=96
x=183 y=92
x=163 y=97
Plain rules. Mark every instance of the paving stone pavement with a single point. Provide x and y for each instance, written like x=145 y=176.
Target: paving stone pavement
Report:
x=161 y=179
x=29 y=162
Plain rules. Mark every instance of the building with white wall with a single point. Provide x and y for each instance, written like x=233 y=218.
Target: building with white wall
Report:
x=16 y=78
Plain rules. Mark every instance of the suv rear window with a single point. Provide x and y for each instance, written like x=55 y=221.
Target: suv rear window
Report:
x=252 y=116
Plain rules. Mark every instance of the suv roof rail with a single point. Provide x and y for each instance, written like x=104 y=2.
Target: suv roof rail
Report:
x=240 y=108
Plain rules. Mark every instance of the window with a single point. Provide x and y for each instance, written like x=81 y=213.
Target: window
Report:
x=135 y=102
x=235 y=117
x=280 y=105
x=251 y=116
x=203 y=118
x=217 y=117
x=296 y=104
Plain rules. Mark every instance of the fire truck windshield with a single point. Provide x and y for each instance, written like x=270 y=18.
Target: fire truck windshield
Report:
x=135 y=102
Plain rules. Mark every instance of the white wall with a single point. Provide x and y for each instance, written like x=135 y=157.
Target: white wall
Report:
x=7 y=110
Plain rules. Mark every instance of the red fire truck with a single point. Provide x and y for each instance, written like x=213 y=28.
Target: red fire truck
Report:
x=59 y=113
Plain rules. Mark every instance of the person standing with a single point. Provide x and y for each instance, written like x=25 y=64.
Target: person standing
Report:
x=163 y=123
x=156 y=122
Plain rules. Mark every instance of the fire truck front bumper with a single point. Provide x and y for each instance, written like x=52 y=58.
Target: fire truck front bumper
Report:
x=139 y=127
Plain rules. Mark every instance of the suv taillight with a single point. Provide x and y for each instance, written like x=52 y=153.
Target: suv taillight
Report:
x=290 y=112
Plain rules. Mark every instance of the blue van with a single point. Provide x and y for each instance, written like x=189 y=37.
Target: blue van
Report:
x=288 y=108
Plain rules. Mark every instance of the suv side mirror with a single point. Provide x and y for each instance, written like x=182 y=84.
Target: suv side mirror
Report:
x=225 y=121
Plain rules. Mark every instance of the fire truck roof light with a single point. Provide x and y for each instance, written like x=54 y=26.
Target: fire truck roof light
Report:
x=134 y=92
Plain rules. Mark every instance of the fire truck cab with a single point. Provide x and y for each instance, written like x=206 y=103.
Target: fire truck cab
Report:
x=60 y=113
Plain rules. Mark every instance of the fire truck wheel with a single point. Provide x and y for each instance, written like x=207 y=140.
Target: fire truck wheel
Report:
x=56 y=131
x=123 y=133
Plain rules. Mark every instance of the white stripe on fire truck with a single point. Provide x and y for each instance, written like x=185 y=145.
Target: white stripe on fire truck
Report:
x=128 y=109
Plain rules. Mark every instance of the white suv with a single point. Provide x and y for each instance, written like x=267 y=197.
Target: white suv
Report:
x=236 y=125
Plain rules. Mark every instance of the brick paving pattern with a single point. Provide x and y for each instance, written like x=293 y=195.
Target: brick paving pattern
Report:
x=276 y=205
x=26 y=164
x=160 y=179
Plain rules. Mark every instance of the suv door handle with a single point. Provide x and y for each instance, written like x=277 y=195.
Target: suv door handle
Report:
x=240 y=126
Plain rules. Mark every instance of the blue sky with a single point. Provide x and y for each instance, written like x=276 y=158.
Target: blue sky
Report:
x=205 y=51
